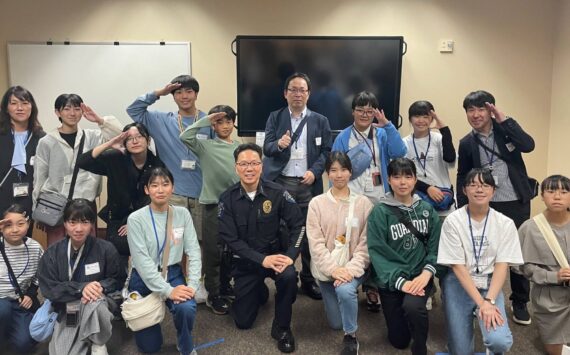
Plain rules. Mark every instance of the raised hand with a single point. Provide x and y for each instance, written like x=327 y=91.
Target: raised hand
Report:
x=381 y=118
x=91 y=115
x=438 y=123
x=285 y=140
x=495 y=113
x=169 y=88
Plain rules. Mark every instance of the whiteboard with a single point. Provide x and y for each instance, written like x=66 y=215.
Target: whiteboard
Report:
x=108 y=77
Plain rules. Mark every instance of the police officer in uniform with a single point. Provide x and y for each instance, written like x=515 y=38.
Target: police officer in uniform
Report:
x=249 y=216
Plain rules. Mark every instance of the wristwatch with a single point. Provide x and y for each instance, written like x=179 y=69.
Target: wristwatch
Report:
x=490 y=300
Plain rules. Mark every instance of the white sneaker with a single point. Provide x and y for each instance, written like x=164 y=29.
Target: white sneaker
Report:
x=429 y=304
x=201 y=294
x=99 y=349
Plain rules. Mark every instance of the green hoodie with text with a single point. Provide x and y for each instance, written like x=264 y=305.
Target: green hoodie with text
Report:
x=396 y=254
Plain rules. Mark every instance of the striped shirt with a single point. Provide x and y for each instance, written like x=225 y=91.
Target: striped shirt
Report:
x=505 y=190
x=24 y=260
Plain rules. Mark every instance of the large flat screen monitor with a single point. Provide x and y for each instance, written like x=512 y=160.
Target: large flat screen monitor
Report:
x=338 y=67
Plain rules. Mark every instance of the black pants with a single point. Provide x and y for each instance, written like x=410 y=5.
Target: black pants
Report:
x=122 y=246
x=250 y=293
x=406 y=318
x=518 y=212
x=302 y=195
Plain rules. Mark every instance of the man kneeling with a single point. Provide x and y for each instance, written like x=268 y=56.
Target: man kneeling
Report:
x=76 y=274
x=249 y=215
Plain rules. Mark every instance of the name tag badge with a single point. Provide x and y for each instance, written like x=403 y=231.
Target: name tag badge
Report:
x=297 y=154
x=201 y=136
x=318 y=141
x=510 y=147
x=496 y=178
x=188 y=164
x=32 y=160
x=480 y=281
x=354 y=223
x=368 y=184
x=21 y=189
x=92 y=269
x=3 y=271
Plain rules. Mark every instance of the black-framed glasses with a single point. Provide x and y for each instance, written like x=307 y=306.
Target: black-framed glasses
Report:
x=246 y=164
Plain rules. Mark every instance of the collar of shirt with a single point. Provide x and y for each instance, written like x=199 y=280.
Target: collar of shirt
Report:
x=260 y=191
x=481 y=135
x=303 y=114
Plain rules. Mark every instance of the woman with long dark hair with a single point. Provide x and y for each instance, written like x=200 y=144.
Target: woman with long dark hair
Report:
x=20 y=132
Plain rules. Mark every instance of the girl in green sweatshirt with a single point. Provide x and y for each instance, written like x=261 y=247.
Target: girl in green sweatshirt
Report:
x=403 y=237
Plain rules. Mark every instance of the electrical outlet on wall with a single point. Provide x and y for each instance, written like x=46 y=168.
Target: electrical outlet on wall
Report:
x=446 y=45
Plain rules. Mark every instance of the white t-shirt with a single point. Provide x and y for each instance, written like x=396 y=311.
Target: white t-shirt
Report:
x=500 y=244
x=436 y=172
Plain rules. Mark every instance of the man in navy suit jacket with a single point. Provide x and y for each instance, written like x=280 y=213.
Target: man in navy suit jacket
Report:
x=297 y=141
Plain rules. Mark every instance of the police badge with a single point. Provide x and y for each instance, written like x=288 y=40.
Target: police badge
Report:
x=267 y=206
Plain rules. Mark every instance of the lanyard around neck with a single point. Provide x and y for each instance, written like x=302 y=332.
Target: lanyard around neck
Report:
x=490 y=156
x=194 y=119
x=158 y=247
x=423 y=166
x=476 y=253
x=74 y=267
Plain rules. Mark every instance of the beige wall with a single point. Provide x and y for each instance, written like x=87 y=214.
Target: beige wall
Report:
x=507 y=47
x=558 y=144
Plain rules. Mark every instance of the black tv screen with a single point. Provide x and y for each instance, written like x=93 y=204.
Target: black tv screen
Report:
x=339 y=67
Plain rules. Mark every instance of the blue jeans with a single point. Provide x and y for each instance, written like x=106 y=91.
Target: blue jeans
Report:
x=460 y=310
x=341 y=304
x=149 y=340
x=15 y=326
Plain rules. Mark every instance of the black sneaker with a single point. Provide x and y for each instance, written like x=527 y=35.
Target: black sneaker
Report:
x=372 y=301
x=218 y=305
x=350 y=345
x=520 y=314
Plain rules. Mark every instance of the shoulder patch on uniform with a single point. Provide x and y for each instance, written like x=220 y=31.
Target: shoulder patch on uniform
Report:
x=425 y=213
x=220 y=209
x=288 y=197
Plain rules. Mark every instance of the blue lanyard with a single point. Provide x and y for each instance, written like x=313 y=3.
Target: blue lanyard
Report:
x=426 y=155
x=476 y=253
x=158 y=247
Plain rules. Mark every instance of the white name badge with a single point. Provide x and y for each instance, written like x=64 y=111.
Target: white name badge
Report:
x=188 y=164
x=91 y=269
x=318 y=141
x=480 y=281
x=298 y=154
x=496 y=178
x=510 y=146
x=32 y=160
x=21 y=189
x=202 y=136
x=178 y=233
x=353 y=223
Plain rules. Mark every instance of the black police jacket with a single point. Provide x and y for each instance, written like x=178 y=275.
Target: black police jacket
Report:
x=252 y=228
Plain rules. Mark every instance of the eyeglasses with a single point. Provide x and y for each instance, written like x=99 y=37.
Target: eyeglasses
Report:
x=297 y=91
x=135 y=138
x=246 y=164
x=363 y=112
x=478 y=186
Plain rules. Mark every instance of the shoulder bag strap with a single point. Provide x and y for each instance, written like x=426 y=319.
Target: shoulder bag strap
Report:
x=169 y=237
x=299 y=130
x=10 y=271
x=352 y=202
x=76 y=168
x=422 y=237
x=550 y=239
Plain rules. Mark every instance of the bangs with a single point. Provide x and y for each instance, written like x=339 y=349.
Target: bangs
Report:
x=555 y=182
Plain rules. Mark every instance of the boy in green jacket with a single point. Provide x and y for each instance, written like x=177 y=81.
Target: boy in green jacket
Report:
x=216 y=157
x=403 y=237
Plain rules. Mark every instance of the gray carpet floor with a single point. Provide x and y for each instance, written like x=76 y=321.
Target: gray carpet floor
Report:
x=215 y=334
